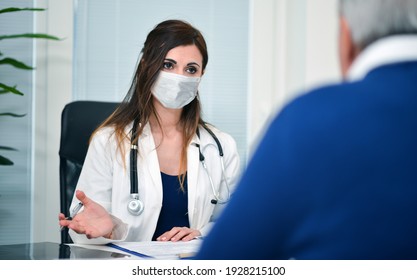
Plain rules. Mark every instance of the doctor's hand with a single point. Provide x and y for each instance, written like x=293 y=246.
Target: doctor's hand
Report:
x=179 y=234
x=93 y=221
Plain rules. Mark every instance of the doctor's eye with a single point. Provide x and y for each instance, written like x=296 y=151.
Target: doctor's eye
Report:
x=168 y=65
x=191 y=70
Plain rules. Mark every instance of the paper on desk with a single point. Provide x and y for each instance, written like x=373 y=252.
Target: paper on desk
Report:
x=82 y=251
x=156 y=249
x=163 y=250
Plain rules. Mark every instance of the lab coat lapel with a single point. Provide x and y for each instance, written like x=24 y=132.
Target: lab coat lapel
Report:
x=150 y=158
x=192 y=176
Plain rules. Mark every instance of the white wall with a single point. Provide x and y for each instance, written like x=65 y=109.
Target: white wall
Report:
x=53 y=91
x=321 y=50
x=292 y=47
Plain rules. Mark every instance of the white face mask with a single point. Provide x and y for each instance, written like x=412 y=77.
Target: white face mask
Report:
x=175 y=91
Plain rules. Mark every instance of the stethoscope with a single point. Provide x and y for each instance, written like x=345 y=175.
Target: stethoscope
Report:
x=135 y=205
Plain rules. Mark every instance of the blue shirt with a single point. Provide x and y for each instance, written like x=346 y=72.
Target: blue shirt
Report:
x=174 y=212
x=335 y=177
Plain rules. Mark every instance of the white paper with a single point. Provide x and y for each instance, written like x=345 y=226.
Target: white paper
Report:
x=155 y=249
x=163 y=250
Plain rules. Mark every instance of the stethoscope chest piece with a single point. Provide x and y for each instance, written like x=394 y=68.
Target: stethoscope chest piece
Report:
x=135 y=205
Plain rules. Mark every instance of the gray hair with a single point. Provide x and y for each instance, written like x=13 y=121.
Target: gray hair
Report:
x=370 y=20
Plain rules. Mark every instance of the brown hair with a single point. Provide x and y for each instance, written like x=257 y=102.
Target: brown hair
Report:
x=138 y=105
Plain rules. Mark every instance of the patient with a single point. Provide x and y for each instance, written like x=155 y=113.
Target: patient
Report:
x=335 y=174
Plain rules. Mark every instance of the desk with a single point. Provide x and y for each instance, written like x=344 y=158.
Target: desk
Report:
x=54 y=251
x=51 y=251
x=34 y=251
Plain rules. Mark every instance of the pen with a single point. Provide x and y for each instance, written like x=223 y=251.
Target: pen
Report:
x=73 y=213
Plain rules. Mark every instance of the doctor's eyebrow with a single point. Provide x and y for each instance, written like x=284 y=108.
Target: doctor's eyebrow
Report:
x=188 y=64
x=170 y=60
x=193 y=64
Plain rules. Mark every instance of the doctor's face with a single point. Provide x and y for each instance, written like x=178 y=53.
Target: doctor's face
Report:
x=184 y=60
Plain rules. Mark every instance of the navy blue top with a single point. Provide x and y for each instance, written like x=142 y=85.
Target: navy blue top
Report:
x=174 y=212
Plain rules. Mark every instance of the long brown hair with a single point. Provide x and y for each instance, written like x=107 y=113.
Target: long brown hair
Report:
x=138 y=103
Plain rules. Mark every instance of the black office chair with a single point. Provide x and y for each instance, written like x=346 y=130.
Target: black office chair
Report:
x=79 y=119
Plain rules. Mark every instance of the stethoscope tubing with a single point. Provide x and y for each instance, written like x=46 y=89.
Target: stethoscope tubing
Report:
x=135 y=205
x=218 y=199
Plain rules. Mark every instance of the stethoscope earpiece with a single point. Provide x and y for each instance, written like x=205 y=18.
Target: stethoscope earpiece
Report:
x=213 y=201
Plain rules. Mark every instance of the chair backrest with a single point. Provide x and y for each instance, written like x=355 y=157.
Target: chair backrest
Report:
x=79 y=119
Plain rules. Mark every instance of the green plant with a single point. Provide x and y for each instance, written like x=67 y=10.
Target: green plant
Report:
x=5 y=88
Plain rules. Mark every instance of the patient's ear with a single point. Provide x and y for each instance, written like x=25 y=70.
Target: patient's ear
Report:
x=348 y=51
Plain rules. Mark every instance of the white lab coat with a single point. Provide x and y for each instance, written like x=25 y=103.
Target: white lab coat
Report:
x=106 y=180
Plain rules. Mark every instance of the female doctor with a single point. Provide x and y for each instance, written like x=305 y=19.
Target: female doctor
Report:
x=154 y=169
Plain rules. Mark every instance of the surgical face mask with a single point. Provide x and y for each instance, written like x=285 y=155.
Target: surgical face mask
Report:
x=175 y=91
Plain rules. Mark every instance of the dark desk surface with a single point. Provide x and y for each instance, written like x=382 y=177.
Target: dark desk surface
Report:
x=35 y=251
x=51 y=251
